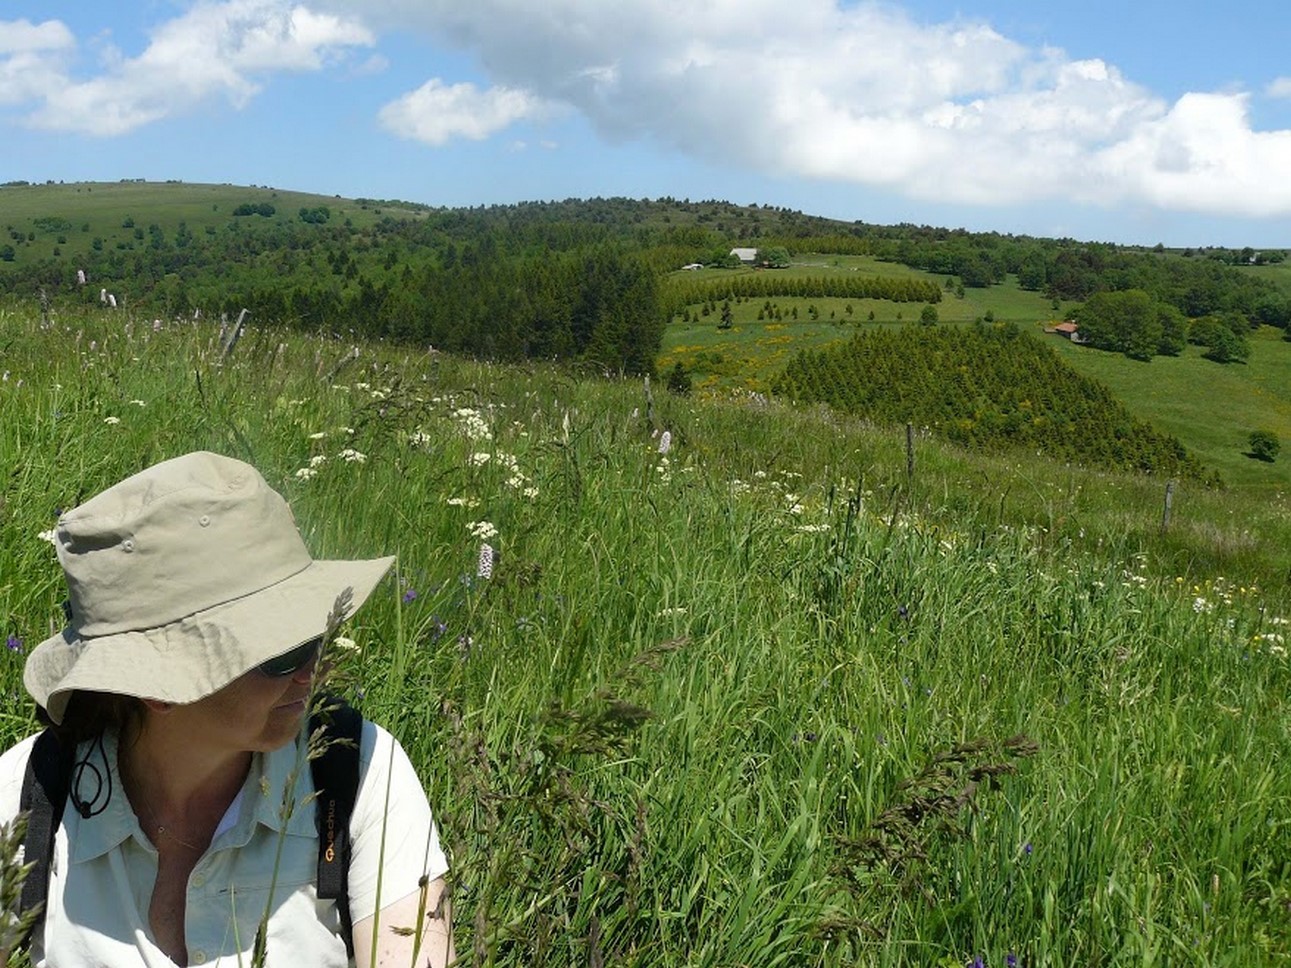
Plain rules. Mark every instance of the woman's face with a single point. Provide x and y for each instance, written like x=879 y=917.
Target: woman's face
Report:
x=254 y=713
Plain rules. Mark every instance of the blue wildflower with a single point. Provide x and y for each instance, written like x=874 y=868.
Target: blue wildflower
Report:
x=409 y=596
x=14 y=643
x=1011 y=960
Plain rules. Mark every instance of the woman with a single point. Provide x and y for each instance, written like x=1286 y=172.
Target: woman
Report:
x=183 y=679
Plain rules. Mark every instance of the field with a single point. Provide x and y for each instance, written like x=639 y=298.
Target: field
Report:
x=90 y=210
x=1210 y=408
x=747 y=693
x=753 y=350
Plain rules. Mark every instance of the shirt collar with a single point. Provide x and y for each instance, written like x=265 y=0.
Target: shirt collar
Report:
x=96 y=782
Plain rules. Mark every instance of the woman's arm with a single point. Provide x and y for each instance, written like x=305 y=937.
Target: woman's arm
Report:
x=397 y=944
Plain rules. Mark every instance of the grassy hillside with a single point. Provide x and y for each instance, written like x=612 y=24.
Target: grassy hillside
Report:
x=1211 y=407
x=69 y=217
x=751 y=354
x=760 y=699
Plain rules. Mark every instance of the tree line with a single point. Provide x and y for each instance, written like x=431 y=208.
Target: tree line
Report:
x=684 y=291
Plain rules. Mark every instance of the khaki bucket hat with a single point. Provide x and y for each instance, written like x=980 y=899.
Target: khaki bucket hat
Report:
x=183 y=578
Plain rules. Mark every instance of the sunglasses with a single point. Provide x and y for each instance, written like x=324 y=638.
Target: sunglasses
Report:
x=291 y=662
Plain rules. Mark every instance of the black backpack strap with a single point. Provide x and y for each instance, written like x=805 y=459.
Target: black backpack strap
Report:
x=44 y=793
x=336 y=780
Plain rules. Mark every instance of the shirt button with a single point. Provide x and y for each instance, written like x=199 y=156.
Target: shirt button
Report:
x=199 y=957
x=199 y=880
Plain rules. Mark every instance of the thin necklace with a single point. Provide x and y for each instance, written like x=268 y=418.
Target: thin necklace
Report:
x=164 y=831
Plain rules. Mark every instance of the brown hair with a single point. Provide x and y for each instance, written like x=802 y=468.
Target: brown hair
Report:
x=90 y=714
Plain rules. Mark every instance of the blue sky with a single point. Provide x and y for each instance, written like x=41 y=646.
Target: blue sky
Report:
x=1137 y=123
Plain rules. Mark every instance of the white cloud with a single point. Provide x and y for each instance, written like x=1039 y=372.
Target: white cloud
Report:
x=31 y=58
x=1279 y=87
x=863 y=93
x=436 y=112
x=22 y=36
x=215 y=49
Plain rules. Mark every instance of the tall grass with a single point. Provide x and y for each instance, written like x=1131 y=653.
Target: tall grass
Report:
x=696 y=684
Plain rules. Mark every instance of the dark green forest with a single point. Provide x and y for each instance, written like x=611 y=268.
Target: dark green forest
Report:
x=987 y=388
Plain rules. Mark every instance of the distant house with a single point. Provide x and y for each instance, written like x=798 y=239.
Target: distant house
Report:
x=747 y=256
x=1067 y=329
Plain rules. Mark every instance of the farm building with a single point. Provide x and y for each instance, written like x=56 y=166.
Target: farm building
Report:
x=1067 y=329
x=747 y=256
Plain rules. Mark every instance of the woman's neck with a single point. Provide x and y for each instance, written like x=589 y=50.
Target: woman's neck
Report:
x=176 y=780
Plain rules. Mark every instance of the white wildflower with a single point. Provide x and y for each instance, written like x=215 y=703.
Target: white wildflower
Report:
x=345 y=644
x=48 y=536
x=530 y=492
x=670 y=612
x=138 y=403
x=463 y=502
x=363 y=386
x=112 y=420
x=760 y=475
x=348 y=431
x=318 y=460
x=318 y=436
x=306 y=473
x=419 y=439
x=352 y=456
x=472 y=424
x=481 y=458
x=812 y=528
x=665 y=442
x=337 y=386
x=482 y=530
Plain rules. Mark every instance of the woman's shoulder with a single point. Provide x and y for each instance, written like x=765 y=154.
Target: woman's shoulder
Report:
x=13 y=767
x=374 y=739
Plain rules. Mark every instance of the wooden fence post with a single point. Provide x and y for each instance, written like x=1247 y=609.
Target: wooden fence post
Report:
x=1169 y=500
x=909 y=453
x=234 y=336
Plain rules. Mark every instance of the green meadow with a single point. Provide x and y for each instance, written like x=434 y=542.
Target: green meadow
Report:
x=742 y=685
x=1211 y=407
x=753 y=351
x=39 y=219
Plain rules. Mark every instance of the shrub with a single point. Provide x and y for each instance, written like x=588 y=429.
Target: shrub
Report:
x=1264 y=445
x=679 y=380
